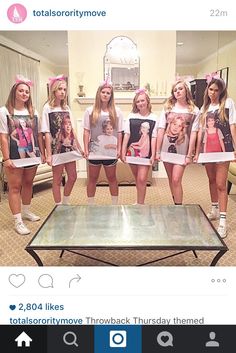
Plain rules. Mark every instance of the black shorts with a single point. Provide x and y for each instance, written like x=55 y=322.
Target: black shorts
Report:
x=104 y=162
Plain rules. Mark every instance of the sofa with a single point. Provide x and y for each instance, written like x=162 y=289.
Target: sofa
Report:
x=231 y=176
x=123 y=174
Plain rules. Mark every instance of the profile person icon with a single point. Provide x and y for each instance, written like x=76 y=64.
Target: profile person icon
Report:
x=212 y=342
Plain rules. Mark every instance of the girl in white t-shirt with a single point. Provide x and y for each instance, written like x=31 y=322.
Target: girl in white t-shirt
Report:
x=140 y=141
x=179 y=107
x=94 y=117
x=217 y=105
x=19 y=108
x=60 y=137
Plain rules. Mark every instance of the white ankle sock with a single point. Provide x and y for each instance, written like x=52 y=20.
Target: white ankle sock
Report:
x=66 y=200
x=91 y=201
x=222 y=219
x=17 y=217
x=214 y=207
x=114 y=200
x=25 y=208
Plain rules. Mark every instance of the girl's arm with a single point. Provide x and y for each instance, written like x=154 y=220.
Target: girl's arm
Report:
x=153 y=149
x=78 y=146
x=124 y=146
x=198 y=145
x=159 y=140
x=119 y=144
x=5 y=151
x=233 y=133
x=48 y=148
x=191 y=147
x=86 y=137
x=42 y=147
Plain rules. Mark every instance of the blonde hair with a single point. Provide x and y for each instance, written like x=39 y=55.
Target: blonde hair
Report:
x=172 y=100
x=134 y=107
x=97 y=107
x=222 y=99
x=11 y=100
x=52 y=97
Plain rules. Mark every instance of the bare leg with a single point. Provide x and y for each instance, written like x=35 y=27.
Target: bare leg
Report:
x=93 y=174
x=111 y=177
x=71 y=177
x=14 y=179
x=176 y=183
x=142 y=183
x=169 y=171
x=221 y=180
x=27 y=185
x=56 y=182
x=211 y=173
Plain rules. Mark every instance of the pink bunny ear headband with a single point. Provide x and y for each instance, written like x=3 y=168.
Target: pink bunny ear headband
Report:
x=212 y=75
x=56 y=78
x=22 y=79
x=107 y=82
x=141 y=90
x=185 y=79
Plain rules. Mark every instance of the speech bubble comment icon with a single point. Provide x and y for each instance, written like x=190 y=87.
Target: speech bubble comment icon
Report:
x=45 y=281
x=165 y=339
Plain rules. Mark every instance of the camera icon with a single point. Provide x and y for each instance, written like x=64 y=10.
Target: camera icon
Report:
x=118 y=339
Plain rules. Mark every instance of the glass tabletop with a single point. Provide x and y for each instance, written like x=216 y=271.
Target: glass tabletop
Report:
x=127 y=226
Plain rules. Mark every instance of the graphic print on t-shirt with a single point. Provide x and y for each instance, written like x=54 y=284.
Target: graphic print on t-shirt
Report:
x=23 y=140
x=139 y=144
x=64 y=142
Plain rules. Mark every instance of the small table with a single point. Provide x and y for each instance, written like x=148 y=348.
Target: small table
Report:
x=123 y=227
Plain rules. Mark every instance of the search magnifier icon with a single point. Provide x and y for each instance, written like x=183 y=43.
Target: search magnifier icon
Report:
x=70 y=338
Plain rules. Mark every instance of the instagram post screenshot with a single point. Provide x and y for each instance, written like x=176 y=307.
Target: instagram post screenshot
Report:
x=117 y=177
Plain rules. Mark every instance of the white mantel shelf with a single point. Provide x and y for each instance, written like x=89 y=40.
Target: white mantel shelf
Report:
x=121 y=100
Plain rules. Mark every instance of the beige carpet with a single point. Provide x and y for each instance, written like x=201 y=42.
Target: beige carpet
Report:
x=12 y=245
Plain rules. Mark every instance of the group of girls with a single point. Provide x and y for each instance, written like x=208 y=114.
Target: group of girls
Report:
x=181 y=129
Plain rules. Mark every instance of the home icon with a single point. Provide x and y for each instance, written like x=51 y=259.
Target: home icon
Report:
x=23 y=340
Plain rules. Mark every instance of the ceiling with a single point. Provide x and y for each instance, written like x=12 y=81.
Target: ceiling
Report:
x=51 y=45
x=197 y=45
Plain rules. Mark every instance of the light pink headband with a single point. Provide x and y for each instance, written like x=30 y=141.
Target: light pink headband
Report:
x=211 y=76
x=22 y=79
x=141 y=90
x=56 y=78
x=107 y=82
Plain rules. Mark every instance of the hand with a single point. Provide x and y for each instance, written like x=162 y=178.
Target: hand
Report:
x=158 y=156
x=188 y=160
x=49 y=160
x=9 y=164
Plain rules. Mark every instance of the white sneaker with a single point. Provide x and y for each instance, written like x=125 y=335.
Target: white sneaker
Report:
x=222 y=230
x=20 y=228
x=30 y=216
x=213 y=215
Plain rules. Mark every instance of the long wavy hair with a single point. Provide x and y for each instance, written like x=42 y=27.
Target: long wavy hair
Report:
x=97 y=107
x=171 y=101
x=222 y=99
x=11 y=100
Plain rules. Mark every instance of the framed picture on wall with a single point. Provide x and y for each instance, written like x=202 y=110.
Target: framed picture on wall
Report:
x=224 y=74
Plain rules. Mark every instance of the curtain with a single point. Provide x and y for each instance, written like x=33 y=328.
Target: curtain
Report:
x=13 y=63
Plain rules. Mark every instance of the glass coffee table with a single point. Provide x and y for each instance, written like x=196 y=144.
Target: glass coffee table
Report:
x=123 y=227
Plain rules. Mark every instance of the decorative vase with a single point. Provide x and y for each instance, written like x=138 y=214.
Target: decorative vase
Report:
x=81 y=91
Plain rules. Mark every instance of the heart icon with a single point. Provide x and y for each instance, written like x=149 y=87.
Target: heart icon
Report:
x=12 y=307
x=16 y=280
